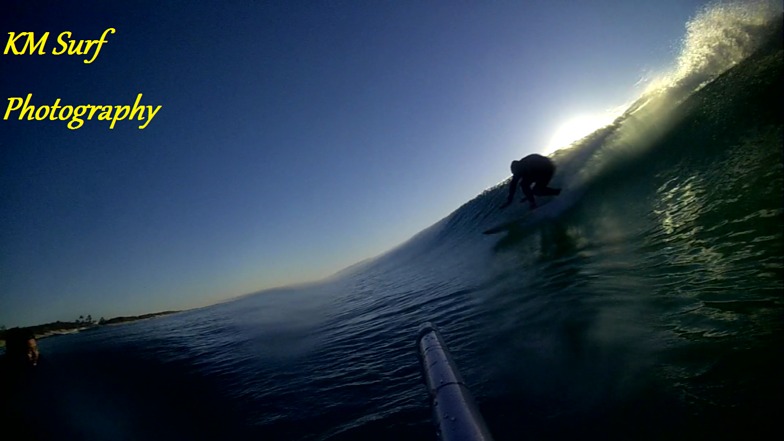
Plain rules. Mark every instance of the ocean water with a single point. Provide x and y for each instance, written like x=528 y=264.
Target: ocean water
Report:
x=643 y=303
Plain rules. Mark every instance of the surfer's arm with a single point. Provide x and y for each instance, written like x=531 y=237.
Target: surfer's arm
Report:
x=529 y=194
x=512 y=189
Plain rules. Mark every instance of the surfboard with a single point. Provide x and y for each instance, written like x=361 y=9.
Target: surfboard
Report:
x=548 y=208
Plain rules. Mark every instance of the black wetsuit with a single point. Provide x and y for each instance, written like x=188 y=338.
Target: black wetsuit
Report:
x=535 y=170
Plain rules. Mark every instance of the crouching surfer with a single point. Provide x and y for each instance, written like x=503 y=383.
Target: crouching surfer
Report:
x=535 y=170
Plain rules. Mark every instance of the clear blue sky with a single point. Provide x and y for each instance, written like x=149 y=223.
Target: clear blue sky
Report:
x=295 y=138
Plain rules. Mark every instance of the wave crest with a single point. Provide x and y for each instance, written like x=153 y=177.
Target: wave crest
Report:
x=718 y=38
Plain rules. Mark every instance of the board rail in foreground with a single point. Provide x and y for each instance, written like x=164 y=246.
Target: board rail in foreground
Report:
x=455 y=413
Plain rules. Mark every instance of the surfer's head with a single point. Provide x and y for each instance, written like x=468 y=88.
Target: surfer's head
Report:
x=516 y=167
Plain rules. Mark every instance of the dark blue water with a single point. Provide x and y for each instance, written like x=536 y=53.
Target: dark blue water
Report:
x=644 y=303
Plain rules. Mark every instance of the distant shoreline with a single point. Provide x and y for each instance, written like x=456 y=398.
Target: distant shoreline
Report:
x=63 y=328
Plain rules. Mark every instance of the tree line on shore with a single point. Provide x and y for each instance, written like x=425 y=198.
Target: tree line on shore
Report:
x=79 y=324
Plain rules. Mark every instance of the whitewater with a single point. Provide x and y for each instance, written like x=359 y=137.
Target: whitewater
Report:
x=646 y=303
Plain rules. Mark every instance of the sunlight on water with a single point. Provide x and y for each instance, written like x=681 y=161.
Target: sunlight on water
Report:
x=576 y=128
x=680 y=206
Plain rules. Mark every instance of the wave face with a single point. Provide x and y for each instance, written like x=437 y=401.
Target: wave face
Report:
x=646 y=305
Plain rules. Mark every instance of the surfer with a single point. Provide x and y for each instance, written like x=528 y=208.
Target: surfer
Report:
x=21 y=348
x=535 y=170
x=21 y=391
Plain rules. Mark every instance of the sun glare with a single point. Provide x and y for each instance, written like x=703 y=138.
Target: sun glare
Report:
x=575 y=129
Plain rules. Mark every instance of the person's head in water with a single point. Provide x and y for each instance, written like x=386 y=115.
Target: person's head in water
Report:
x=21 y=347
